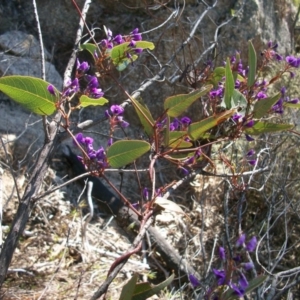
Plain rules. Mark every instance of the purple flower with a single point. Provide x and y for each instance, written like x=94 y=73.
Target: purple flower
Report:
x=110 y=142
x=190 y=160
x=222 y=253
x=241 y=240
x=174 y=125
x=50 y=89
x=294 y=101
x=132 y=44
x=100 y=154
x=238 y=291
x=250 y=123
x=185 y=171
x=92 y=82
x=251 y=245
x=138 y=50
x=249 y=138
x=96 y=93
x=216 y=93
x=194 y=281
x=136 y=36
x=252 y=162
x=83 y=67
x=243 y=282
x=186 y=121
x=247 y=266
x=293 y=61
x=251 y=152
x=261 y=95
x=146 y=193
x=116 y=109
x=118 y=39
x=80 y=139
x=122 y=123
x=236 y=117
x=220 y=275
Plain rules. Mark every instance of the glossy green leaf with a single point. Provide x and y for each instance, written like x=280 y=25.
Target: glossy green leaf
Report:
x=87 y=101
x=142 y=295
x=261 y=107
x=91 y=48
x=197 y=130
x=252 y=60
x=128 y=288
x=176 y=105
x=253 y=284
x=291 y=105
x=145 y=116
x=229 y=84
x=177 y=140
x=30 y=92
x=122 y=153
x=264 y=127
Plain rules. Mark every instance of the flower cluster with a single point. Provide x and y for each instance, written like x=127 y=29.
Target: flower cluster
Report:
x=72 y=87
x=111 y=41
x=115 y=116
x=94 y=160
x=233 y=274
x=181 y=124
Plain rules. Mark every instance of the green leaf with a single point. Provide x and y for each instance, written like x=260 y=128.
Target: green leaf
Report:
x=145 y=116
x=252 y=59
x=122 y=153
x=128 y=288
x=177 y=140
x=263 y=127
x=87 y=101
x=291 y=105
x=166 y=133
x=119 y=53
x=217 y=75
x=229 y=84
x=178 y=104
x=261 y=107
x=197 y=129
x=238 y=100
x=143 y=295
x=92 y=48
x=253 y=284
x=30 y=92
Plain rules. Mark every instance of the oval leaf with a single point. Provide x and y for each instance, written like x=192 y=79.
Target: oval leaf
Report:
x=263 y=127
x=178 y=104
x=252 y=60
x=128 y=288
x=122 y=153
x=142 y=295
x=87 y=101
x=261 y=107
x=291 y=105
x=92 y=48
x=176 y=140
x=196 y=130
x=229 y=84
x=30 y=92
x=145 y=116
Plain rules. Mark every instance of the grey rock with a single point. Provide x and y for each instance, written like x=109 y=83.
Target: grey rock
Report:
x=21 y=44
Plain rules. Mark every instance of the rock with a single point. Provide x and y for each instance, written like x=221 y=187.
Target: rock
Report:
x=14 y=119
x=21 y=44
